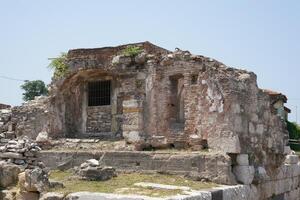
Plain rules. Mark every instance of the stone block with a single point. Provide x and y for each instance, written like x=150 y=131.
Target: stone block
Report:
x=242 y=159
x=292 y=159
x=52 y=196
x=240 y=192
x=11 y=155
x=244 y=174
x=9 y=174
x=27 y=196
x=132 y=136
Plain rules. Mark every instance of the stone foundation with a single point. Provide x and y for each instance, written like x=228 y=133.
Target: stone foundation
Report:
x=212 y=167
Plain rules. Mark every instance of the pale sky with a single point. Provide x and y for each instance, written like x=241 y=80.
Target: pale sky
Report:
x=260 y=36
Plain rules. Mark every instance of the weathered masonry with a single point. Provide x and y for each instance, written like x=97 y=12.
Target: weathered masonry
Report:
x=153 y=98
x=164 y=99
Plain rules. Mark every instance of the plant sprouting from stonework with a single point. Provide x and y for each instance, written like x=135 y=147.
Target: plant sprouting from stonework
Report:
x=132 y=51
x=59 y=65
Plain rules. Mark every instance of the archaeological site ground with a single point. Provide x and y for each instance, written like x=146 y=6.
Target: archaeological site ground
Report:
x=138 y=121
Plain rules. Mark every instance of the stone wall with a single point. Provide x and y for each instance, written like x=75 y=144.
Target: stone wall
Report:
x=6 y=127
x=98 y=119
x=184 y=101
x=31 y=118
x=22 y=152
x=4 y=106
x=213 y=167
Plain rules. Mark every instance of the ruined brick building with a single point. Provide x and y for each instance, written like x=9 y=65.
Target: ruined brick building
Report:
x=154 y=98
x=163 y=99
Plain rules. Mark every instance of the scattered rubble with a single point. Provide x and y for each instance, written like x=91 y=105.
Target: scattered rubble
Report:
x=20 y=152
x=9 y=174
x=92 y=170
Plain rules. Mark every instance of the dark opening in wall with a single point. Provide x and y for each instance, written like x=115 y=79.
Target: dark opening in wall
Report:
x=99 y=93
x=177 y=99
x=194 y=79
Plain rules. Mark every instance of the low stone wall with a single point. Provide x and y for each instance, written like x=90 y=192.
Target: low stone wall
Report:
x=20 y=152
x=282 y=183
x=285 y=185
x=207 y=166
x=98 y=119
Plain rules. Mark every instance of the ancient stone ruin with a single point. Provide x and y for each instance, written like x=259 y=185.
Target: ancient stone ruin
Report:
x=225 y=128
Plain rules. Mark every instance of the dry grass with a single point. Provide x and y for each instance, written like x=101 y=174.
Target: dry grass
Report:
x=124 y=184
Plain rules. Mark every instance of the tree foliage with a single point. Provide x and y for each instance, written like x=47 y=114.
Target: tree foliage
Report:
x=59 y=65
x=294 y=130
x=132 y=51
x=294 y=133
x=33 y=89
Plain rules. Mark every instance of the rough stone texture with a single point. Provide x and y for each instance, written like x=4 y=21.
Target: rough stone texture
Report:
x=98 y=119
x=36 y=180
x=27 y=196
x=92 y=171
x=19 y=151
x=9 y=174
x=214 y=167
x=7 y=194
x=242 y=159
x=163 y=99
x=31 y=183
x=160 y=99
x=103 y=196
x=4 y=106
x=292 y=159
x=244 y=174
x=5 y=124
x=172 y=99
x=31 y=118
x=52 y=196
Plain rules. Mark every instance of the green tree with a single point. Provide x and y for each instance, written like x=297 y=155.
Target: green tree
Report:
x=33 y=89
x=294 y=130
x=59 y=65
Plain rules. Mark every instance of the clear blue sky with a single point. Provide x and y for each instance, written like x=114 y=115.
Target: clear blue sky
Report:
x=260 y=36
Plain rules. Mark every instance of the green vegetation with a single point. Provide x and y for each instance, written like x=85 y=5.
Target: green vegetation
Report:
x=59 y=66
x=124 y=184
x=294 y=130
x=33 y=89
x=132 y=51
x=294 y=133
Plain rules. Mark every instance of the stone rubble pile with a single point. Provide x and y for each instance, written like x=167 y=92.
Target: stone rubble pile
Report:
x=28 y=120
x=20 y=152
x=6 y=128
x=93 y=171
x=32 y=183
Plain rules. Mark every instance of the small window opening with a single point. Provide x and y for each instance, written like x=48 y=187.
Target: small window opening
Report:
x=194 y=79
x=99 y=93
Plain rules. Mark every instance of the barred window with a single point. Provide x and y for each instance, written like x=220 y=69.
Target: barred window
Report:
x=99 y=93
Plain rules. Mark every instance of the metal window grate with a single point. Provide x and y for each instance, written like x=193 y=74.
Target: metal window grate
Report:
x=99 y=93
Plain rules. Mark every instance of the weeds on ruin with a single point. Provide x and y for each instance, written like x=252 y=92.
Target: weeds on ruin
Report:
x=59 y=66
x=124 y=184
x=132 y=51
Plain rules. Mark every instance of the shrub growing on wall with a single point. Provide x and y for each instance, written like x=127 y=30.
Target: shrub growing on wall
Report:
x=59 y=65
x=33 y=89
x=132 y=51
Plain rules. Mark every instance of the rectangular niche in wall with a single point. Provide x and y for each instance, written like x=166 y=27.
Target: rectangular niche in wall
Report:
x=177 y=99
x=98 y=110
x=99 y=93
